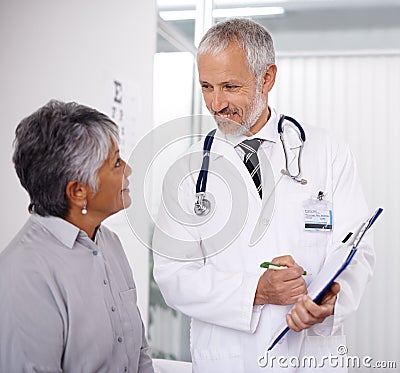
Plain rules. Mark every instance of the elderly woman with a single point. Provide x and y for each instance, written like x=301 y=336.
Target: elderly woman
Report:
x=67 y=295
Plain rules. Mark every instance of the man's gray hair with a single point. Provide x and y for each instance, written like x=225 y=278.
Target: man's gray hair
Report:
x=58 y=143
x=251 y=37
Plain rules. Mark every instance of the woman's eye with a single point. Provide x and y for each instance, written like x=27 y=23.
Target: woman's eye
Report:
x=118 y=163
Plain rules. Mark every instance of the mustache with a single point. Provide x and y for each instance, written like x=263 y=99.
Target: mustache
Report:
x=225 y=111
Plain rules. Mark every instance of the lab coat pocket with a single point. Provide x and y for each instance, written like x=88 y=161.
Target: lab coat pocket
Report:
x=232 y=364
x=129 y=313
x=216 y=349
x=313 y=247
x=226 y=358
x=324 y=354
x=316 y=239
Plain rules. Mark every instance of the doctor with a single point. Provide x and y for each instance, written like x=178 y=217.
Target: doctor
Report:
x=211 y=270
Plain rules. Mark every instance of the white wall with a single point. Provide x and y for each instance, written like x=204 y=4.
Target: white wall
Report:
x=357 y=98
x=73 y=50
x=337 y=39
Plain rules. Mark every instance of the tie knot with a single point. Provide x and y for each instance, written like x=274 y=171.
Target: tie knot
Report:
x=250 y=146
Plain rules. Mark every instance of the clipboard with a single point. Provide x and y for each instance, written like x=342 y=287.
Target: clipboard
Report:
x=335 y=264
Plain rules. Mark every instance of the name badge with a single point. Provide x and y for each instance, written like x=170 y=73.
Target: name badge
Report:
x=318 y=214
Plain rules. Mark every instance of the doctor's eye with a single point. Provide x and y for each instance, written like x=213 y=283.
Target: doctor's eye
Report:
x=231 y=87
x=118 y=163
x=206 y=87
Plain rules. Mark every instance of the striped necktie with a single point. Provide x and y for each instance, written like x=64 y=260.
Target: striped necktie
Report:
x=252 y=162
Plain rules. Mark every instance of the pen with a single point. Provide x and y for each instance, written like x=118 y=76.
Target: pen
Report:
x=278 y=267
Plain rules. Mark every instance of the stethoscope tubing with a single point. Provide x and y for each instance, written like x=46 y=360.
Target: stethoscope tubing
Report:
x=203 y=174
x=295 y=122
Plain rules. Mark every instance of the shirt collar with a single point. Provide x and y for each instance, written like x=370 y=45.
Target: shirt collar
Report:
x=64 y=231
x=268 y=132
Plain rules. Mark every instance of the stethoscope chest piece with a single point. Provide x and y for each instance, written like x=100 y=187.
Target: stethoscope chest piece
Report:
x=202 y=206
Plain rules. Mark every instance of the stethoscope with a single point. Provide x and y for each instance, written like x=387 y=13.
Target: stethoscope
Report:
x=202 y=205
x=302 y=137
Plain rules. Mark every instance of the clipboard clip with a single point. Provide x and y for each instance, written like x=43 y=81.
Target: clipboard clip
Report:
x=358 y=236
x=364 y=228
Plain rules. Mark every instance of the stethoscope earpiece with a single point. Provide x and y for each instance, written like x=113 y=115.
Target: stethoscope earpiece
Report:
x=295 y=178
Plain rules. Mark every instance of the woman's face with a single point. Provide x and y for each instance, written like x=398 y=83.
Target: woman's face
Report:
x=112 y=192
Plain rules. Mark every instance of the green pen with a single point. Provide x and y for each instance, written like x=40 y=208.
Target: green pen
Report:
x=278 y=267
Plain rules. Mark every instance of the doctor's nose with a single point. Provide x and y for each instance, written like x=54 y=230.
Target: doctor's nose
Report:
x=218 y=101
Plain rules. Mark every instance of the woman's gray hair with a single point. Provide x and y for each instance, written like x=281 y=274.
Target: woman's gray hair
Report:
x=251 y=37
x=58 y=143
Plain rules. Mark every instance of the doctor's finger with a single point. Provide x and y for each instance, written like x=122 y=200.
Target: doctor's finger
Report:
x=295 y=286
x=291 y=293
x=294 y=282
x=330 y=298
x=331 y=294
x=295 y=272
x=298 y=289
x=318 y=312
x=301 y=311
x=314 y=309
x=284 y=260
x=294 y=322
x=295 y=295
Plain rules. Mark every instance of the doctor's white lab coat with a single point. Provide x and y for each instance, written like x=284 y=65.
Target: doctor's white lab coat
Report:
x=207 y=269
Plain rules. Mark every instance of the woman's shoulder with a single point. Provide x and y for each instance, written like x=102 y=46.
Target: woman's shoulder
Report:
x=23 y=240
x=25 y=255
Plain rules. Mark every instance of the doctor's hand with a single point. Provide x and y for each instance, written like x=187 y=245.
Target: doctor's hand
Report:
x=306 y=313
x=281 y=287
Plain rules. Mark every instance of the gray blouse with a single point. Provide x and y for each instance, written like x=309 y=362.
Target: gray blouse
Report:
x=68 y=304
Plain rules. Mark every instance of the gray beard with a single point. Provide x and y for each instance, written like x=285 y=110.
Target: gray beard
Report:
x=257 y=107
x=237 y=129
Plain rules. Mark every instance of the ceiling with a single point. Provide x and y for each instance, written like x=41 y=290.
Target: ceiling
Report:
x=289 y=4
x=299 y=15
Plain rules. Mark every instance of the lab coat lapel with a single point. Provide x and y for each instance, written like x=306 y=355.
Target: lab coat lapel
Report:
x=271 y=179
x=223 y=151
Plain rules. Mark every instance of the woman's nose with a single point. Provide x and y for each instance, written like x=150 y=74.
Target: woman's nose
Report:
x=127 y=170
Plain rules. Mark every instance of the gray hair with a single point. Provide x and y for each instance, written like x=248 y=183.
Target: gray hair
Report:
x=251 y=37
x=58 y=143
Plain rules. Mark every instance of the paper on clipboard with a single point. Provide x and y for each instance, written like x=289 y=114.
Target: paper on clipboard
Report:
x=334 y=265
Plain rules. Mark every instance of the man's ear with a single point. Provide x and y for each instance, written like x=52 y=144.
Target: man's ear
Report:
x=76 y=193
x=268 y=80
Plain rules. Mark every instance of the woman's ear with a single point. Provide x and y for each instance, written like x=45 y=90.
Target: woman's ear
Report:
x=76 y=194
x=269 y=78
